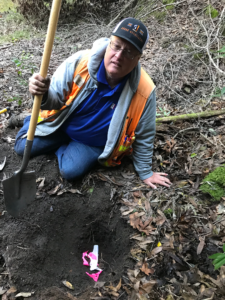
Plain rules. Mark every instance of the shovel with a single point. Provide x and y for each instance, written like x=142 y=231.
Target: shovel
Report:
x=20 y=189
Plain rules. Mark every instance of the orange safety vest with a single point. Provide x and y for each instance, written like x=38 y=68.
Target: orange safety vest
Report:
x=127 y=136
x=80 y=77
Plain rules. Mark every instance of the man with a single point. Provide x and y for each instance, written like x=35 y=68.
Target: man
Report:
x=99 y=107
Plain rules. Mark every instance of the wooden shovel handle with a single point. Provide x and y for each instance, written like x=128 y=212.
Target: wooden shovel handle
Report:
x=52 y=25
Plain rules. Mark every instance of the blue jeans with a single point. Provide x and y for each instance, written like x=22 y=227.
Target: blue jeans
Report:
x=74 y=158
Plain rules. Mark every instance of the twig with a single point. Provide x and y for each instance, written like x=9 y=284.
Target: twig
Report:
x=207 y=139
x=209 y=41
x=162 y=6
x=186 y=129
x=203 y=114
x=120 y=13
x=121 y=295
x=6 y=47
x=221 y=144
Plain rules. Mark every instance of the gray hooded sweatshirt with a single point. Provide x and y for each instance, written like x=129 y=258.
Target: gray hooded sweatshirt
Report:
x=61 y=85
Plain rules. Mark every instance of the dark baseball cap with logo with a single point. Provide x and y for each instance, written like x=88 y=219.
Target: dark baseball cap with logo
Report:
x=134 y=31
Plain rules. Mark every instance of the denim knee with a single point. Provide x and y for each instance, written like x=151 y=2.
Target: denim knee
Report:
x=69 y=174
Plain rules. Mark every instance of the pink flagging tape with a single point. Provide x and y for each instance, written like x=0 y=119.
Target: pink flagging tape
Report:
x=94 y=276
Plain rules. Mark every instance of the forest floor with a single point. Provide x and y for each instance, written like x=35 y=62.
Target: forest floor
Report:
x=153 y=244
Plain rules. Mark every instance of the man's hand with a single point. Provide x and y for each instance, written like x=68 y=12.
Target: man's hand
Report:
x=157 y=178
x=38 y=85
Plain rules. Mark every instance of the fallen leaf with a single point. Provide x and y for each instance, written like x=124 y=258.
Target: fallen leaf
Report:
x=169 y=145
x=145 y=243
x=113 y=288
x=62 y=192
x=127 y=212
x=2 y=291
x=118 y=287
x=200 y=245
x=156 y=250
x=148 y=286
x=136 y=286
x=115 y=294
x=146 y=269
x=128 y=176
x=24 y=295
x=71 y=296
x=148 y=207
x=170 y=297
x=134 y=220
x=8 y=139
x=138 y=194
x=55 y=190
x=12 y=290
x=68 y=284
x=2 y=165
x=220 y=209
x=74 y=191
x=99 y=284
x=107 y=178
x=4 y=297
x=41 y=185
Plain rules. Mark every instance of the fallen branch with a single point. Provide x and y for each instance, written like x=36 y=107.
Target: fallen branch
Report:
x=203 y=114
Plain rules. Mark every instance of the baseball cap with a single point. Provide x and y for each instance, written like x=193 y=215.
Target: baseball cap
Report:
x=134 y=31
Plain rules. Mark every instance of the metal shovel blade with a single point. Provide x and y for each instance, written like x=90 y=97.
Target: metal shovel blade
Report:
x=19 y=191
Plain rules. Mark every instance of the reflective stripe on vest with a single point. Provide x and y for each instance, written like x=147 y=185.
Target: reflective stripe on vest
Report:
x=81 y=76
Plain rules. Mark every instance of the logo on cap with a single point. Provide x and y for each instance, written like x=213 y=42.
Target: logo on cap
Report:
x=136 y=27
x=129 y=24
x=141 y=32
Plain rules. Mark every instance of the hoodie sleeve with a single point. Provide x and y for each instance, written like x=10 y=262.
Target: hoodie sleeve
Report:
x=61 y=83
x=144 y=142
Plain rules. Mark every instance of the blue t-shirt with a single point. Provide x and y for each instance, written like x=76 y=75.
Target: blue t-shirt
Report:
x=90 y=121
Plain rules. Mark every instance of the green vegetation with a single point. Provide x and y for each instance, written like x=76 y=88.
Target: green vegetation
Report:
x=168 y=212
x=13 y=26
x=219 y=92
x=6 y=5
x=16 y=98
x=218 y=259
x=169 y=2
x=211 y=11
x=22 y=63
x=15 y=36
x=214 y=183
x=198 y=56
x=163 y=112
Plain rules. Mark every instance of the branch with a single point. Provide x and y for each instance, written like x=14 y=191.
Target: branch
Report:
x=174 y=3
x=209 y=42
x=203 y=114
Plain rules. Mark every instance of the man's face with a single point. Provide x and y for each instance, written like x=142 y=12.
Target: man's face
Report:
x=117 y=64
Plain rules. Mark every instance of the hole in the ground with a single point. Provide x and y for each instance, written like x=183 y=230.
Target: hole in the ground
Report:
x=52 y=251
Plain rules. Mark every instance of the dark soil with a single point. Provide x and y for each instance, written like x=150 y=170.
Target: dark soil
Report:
x=44 y=245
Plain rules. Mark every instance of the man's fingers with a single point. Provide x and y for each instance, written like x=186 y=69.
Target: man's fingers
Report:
x=159 y=173
x=152 y=185
x=36 y=82
x=38 y=85
x=165 y=184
